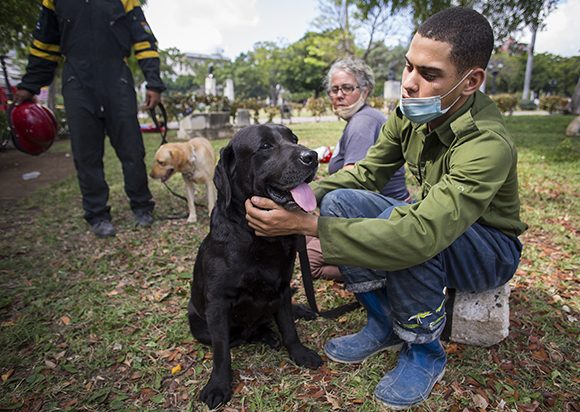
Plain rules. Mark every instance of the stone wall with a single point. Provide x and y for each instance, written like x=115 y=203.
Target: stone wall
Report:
x=212 y=125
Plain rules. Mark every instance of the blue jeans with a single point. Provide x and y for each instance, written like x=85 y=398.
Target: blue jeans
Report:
x=482 y=258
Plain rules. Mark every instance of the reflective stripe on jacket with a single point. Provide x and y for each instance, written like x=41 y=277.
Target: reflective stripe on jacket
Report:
x=94 y=37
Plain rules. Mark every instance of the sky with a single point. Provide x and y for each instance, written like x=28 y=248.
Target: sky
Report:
x=206 y=26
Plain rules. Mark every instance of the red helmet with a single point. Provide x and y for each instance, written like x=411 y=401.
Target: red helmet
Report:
x=34 y=128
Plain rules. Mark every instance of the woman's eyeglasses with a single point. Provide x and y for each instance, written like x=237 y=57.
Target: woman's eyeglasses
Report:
x=346 y=89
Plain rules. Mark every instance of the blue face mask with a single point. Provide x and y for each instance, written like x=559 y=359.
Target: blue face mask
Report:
x=424 y=109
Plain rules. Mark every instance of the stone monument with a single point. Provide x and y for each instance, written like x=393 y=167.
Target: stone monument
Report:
x=243 y=118
x=229 y=90
x=210 y=82
x=392 y=91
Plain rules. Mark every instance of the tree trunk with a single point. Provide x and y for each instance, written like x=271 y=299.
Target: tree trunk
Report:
x=346 y=40
x=530 y=64
x=576 y=99
x=573 y=128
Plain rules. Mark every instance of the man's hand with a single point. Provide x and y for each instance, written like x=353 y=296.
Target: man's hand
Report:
x=269 y=219
x=22 y=95
x=152 y=99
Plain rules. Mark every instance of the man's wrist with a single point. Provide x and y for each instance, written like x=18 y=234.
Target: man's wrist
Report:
x=311 y=226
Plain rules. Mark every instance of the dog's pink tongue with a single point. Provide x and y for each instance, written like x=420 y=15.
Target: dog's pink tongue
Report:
x=304 y=197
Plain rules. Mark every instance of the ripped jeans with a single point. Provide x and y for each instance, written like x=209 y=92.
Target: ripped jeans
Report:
x=482 y=258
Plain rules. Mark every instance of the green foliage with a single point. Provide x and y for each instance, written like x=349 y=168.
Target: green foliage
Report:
x=17 y=20
x=386 y=63
x=509 y=16
x=551 y=74
x=506 y=103
x=526 y=104
x=253 y=104
x=271 y=112
x=317 y=106
x=180 y=104
x=296 y=107
x=376 y=101
x=554 y=104
x=555 y=74
x=257 y=72
x=308 y=61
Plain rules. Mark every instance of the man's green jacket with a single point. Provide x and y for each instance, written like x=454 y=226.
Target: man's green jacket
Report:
x=467 y=172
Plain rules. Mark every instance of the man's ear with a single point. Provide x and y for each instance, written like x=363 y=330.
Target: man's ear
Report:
x=474 y=81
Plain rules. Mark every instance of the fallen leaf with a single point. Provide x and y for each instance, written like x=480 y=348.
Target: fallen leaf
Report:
x=540 y=355
x=451 y=348
x=69 y=403
x=532 y=407
x=479 y=401
x=176 y=369
x=65 y=320
x=168 y=354
x=136 y=375
x=335 y=402
x=457 y=388
x=50 y=364
x=318 y=394
x=59 y=355
x=161 y=295
x=146 y=394
x=7 y=375
x=239 y=387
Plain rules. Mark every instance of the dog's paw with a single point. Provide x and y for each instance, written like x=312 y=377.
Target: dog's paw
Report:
x=215 y=394
x=306 y=357
x=301 y=311
x=191 y=219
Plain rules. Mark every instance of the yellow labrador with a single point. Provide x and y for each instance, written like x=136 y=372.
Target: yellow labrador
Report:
x=195 y=160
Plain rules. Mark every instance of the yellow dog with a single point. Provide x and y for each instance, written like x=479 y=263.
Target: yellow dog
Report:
x=195 y=160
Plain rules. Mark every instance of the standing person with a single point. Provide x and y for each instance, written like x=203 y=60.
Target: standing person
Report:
x=462 y=233
x=349 y=83
x=95 y=37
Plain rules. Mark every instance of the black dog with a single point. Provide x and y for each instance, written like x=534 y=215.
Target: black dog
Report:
x=241 y=282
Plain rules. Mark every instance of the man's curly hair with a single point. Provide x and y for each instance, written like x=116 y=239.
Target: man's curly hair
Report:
x=468 y=32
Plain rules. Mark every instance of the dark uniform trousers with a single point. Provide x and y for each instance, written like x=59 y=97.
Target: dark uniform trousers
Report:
x=95 y=37
x=91 y=115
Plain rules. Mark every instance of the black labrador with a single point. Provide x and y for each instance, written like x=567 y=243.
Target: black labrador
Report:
x=241 y=282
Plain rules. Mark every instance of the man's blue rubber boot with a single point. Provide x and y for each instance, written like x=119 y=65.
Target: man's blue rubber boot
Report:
x=376 y=336
x=419 y=368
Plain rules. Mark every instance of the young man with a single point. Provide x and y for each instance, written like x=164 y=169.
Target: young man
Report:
x=95 y=38
x=399 y=259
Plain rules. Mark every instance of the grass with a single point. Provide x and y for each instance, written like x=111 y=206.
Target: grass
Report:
x=99 y=325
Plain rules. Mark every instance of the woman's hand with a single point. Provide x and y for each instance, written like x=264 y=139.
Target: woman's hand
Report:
x=270 y=219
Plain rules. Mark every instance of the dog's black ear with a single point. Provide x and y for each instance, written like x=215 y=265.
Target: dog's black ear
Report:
x=223 y=176
x=286 y=132
x=294 y=137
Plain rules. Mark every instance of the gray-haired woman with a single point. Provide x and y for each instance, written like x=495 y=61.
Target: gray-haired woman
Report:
x=349 y=83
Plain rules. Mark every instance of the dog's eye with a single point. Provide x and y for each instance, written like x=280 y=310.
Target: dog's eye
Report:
x=266 y=146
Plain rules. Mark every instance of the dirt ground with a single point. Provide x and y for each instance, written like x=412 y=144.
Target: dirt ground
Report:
x=52 y=166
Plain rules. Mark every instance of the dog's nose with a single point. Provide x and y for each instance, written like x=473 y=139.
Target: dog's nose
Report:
x=308 y=157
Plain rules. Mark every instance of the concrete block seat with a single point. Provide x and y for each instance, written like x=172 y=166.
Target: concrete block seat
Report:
x=480 y=319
